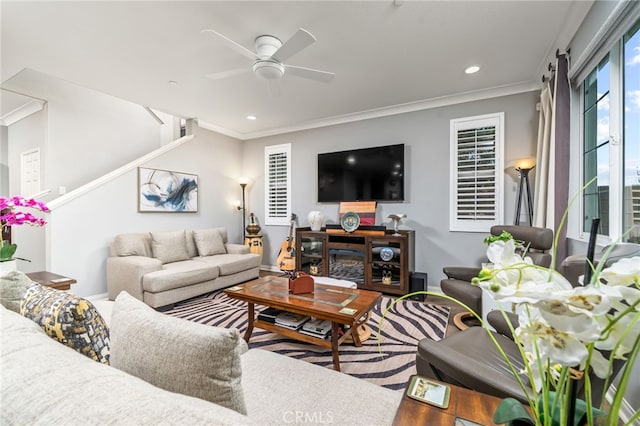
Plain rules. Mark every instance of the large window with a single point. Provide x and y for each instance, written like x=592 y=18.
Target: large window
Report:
x=611 y=141
x=476 y=172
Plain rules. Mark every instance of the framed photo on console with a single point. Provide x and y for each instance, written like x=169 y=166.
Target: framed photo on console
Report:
x=428 y=391
x=167 y=191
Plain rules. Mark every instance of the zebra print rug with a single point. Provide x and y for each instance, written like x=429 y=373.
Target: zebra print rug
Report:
x=403 y=326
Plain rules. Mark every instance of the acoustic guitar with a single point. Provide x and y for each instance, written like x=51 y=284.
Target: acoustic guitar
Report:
x=287 y=256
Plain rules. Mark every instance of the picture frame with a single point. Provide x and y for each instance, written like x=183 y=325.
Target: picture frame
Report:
x=428 y=391
x=167 y=191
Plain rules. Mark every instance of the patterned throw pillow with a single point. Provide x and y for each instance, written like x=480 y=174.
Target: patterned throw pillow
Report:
x=69 y=319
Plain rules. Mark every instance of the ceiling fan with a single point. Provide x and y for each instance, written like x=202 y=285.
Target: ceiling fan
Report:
x=269 y=55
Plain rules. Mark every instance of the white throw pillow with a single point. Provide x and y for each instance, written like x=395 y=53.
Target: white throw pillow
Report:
x=169 y=246
x=176 y=354
x=209 y=242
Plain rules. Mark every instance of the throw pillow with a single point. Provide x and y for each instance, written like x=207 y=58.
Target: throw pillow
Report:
x=209 y=242
x=131 y=245
x=169 y=246
x=12 y=288
x=177 y=355
x=69 y=319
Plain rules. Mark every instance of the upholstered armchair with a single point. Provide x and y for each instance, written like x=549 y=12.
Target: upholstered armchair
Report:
x=458 y=282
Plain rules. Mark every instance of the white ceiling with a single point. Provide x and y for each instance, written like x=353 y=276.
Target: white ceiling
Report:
x=387 y=57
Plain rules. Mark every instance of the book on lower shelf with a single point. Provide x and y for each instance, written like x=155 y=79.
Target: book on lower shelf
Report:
x=269 y=314
x=291 y=320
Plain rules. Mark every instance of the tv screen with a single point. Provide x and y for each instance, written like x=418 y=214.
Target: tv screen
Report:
x=369 y=174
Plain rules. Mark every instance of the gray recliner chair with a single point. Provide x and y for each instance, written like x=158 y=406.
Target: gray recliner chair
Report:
x=470 y=359
x=458 y=282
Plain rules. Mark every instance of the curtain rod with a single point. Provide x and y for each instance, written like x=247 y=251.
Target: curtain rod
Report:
x=551 y=68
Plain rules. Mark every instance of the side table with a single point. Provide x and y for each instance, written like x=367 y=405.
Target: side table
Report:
x=464 y=403
x=49 y=279
x=255 y=244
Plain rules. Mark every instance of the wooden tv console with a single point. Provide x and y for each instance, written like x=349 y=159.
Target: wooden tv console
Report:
x=382 y=263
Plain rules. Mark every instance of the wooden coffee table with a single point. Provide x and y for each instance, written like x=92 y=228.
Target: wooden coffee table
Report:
x=324 y=303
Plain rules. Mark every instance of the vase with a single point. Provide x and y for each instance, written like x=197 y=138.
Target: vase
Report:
x=252 y=228
x=8 y=266
x=315 y=219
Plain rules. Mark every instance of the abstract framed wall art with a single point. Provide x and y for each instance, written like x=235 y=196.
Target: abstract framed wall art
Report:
x=166 y=191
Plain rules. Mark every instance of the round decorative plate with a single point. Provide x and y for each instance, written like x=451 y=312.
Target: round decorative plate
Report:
x=386 y=254
x=350 y=221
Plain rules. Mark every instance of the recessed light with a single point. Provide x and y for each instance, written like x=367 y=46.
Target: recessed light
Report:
x=172 y=83
x=251 y=117
x=472 y=69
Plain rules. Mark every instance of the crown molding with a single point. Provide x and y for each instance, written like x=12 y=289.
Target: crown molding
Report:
x=476 y=95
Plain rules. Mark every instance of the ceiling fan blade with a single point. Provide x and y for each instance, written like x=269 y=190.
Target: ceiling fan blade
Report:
x=323 y=76
x=235 y=46
x=229 y=73
x=301 y=39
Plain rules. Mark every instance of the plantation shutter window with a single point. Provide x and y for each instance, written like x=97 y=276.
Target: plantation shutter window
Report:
x=476 y=177
x=278 y=184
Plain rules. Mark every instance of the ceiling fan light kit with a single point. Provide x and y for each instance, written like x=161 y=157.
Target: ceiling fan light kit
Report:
x=268 y=69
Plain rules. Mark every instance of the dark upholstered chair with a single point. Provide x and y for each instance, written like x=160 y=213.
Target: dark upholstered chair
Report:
x=470 y=359
x=458 y=282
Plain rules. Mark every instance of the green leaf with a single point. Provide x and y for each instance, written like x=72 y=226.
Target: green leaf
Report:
x=513 y=412
x=7 y=251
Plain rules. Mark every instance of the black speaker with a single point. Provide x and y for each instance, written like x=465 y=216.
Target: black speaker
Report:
x=418 y=282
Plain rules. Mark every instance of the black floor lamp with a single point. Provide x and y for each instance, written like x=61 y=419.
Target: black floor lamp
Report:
x=243 y=181
x=523 y=167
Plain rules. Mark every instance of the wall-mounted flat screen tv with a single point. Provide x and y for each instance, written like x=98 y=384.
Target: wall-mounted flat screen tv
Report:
x=369 y=174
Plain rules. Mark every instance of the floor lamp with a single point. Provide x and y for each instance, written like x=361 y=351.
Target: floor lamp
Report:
x=243 y=181
x=523 y=167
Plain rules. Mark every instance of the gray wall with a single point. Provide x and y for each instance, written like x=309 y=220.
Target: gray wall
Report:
x=426 y=138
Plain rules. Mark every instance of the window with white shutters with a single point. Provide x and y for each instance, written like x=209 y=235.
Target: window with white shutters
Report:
x=476 y=173
x=277 y=184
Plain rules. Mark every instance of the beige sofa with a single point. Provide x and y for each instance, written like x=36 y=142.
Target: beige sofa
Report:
x=162 y=268
x=44 y=382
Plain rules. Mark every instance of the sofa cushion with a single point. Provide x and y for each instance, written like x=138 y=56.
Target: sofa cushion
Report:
x=12 y=288
x=179 y=274
x=192 y=250
x=209 y=242
x=68 y=319
x=230 y=264
x=46 y=383
x=169 y=246
x=132 y=245
x=176 y=354
x=280 y=387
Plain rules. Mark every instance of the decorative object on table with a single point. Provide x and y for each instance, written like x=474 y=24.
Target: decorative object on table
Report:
x=316 y=219
x=167 y=191
x=396 y=218
x=12 y=217
x=523 y=166
x=300 y=283
x=350 y=221
x=287 y=257
x=366 y=211
x=252 y=228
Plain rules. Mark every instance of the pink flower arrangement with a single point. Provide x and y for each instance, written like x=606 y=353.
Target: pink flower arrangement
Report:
x=9 y=216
